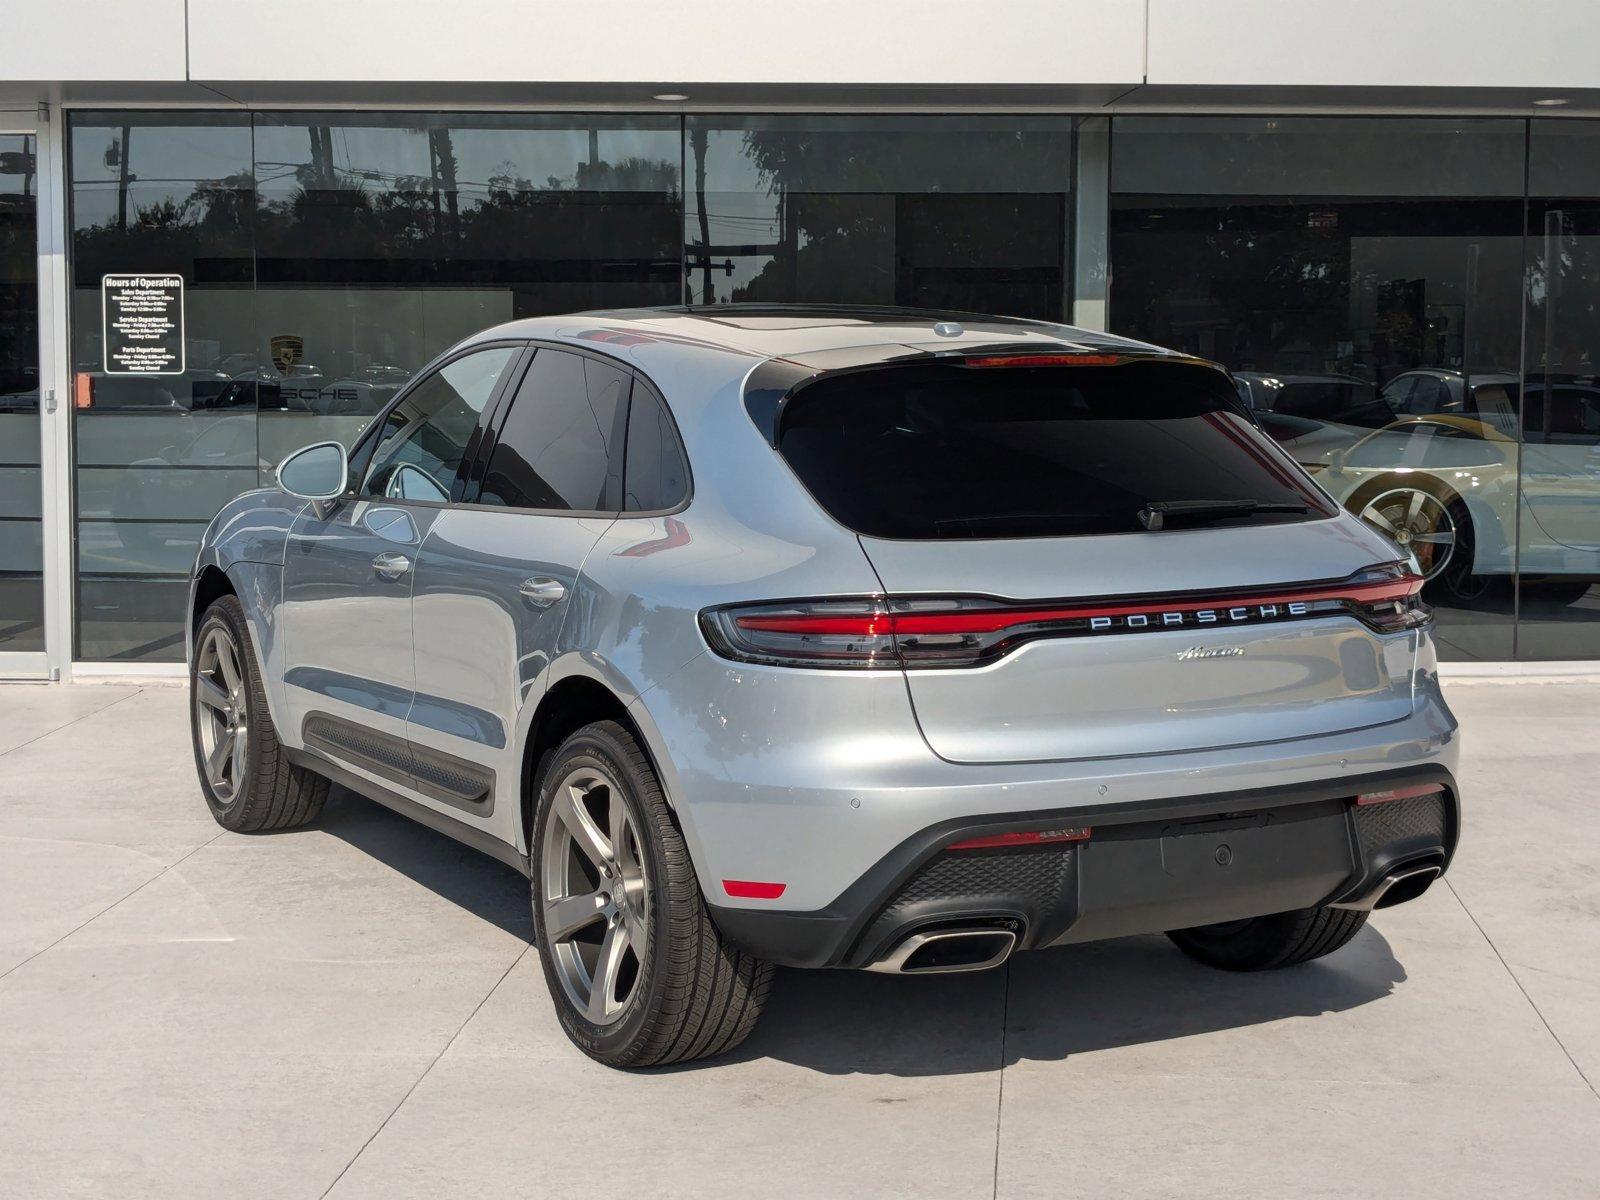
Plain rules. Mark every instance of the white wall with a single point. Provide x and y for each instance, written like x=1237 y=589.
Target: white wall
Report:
x=91 y=39
x=1547 y=44
x=705 y=41
x=1393 y=43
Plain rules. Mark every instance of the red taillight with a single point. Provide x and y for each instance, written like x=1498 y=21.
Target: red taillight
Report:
x=1025 y=837
x=1404 y=793
x=750 y=889
x=930 y=632
x=1045 y=360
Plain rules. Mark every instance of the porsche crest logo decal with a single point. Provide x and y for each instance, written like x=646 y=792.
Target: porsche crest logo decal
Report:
x=287 y=350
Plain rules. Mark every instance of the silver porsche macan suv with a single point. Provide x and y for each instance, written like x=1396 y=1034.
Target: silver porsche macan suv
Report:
x=832 y=637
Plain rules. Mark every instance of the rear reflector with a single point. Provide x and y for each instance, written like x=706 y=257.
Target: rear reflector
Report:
x=749 y=889
x=1405 y=793
x=1030 y=837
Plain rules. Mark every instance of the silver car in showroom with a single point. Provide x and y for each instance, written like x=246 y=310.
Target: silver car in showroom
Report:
x=832 y=637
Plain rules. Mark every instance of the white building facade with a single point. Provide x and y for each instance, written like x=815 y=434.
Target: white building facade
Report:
x=228 y=229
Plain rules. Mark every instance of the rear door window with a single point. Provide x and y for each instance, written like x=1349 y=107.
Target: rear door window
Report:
x=951 y=452
x=559 y=446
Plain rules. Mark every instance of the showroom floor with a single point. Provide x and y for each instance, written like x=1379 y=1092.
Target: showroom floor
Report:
x=353 y=1010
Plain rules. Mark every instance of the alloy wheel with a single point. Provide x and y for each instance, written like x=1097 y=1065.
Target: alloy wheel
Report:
x=222 y=713
x=594 y=895
x=1419 y=522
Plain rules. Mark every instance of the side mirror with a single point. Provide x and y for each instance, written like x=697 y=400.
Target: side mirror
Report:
x=318 y=473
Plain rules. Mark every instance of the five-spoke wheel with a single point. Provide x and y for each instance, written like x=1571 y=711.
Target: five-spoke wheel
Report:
x=1419 y=521
x=222 y=713
x=639 y=974
x=596 y=895
x=248 y=781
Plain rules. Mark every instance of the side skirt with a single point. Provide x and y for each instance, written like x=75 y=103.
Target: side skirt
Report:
x=467 y=835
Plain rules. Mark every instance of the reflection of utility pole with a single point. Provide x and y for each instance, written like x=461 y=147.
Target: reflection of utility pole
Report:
x=1555 y=225
x=322 y=155
x=442 y=156
x=697 y=142
x=123 y=179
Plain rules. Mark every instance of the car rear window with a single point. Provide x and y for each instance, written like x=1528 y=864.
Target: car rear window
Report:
x=953 y=452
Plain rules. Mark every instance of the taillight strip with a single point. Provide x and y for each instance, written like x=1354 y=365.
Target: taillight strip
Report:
x=995 y=620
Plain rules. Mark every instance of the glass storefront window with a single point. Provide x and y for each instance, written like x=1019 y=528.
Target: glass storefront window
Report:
x=383 y=239
x=158 y=454
x=1362 y=278
x=324 y=258
x=21 y=525
x=1558 y=606
x=966 y=213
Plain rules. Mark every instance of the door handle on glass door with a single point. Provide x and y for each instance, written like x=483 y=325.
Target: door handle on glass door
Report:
x=541 y=591
x=391 y=565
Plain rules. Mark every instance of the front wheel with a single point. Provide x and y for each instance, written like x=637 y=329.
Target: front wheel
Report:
x=1265 y=943
x=249 y=784
x=639 y=974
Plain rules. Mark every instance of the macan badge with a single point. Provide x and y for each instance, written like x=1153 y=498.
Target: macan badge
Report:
x=1194 y=652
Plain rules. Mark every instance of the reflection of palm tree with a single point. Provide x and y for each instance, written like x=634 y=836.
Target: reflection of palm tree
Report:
x=697 y=144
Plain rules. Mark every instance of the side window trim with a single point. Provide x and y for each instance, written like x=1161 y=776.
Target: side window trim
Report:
x=489 y=424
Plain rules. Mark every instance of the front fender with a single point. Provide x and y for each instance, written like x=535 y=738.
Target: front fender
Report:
x=246 y=541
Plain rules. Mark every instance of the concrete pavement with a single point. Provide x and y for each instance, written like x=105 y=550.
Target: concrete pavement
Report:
x=353 y=1010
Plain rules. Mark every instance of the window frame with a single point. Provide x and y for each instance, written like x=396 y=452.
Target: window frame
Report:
x=500 y=407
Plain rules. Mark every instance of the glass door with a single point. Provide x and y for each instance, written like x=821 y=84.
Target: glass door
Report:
x=22 y=588
x=1559 y=520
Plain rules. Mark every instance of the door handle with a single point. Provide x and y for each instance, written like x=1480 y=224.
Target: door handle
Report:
x=391 y=565
x=541 y=591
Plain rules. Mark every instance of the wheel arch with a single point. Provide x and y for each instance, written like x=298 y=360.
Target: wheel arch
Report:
x=568 y=704
x=255 y=586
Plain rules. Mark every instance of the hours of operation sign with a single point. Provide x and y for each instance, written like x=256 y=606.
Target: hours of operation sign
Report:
x=143 y=324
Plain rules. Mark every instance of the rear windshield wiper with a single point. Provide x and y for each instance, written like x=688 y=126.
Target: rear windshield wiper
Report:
x=1166 y=514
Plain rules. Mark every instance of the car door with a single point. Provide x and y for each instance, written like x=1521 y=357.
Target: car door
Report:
x=497 y=578
x=347 y=576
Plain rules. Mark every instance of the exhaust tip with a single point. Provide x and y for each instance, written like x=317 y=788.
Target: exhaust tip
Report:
x=1407 y=885
x=947 y=951
x=1398 y=886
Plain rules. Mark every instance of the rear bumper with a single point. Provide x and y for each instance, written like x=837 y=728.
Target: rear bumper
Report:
x=1148 y=867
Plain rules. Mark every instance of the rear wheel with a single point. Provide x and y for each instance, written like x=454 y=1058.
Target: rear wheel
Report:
x=639 y=974
x=1265 y=943
x=248 y=783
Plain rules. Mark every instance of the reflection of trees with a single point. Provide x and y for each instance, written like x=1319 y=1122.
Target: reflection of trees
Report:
x=846 y=226
x=610 y=223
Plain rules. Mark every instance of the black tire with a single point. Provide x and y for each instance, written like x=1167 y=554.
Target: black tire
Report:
x=1267 y=943
x=693 y=995
x=269 y=792
x=1556 y=593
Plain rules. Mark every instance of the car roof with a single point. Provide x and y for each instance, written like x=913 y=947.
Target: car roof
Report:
x=799 y=332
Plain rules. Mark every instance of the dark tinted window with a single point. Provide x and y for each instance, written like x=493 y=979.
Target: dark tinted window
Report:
x=658 y=476
x=951 y=452
x=555 y=449
x=1343 y=402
